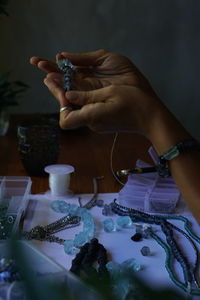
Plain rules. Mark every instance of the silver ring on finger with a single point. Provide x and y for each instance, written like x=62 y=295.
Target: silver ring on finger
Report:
x=69 y=108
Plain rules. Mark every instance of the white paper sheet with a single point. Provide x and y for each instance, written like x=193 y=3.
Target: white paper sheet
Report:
x=118 y=244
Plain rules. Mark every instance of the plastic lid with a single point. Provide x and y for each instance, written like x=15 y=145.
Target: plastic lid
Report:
x=59 y=169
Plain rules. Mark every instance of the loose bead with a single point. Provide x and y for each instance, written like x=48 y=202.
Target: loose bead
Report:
x=100 y=203
x=145 y=251
x=137 y=237
x=109 y=225
x=107 y=210
x=124 y=222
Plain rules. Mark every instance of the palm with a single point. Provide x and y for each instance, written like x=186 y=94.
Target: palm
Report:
x=114 y=70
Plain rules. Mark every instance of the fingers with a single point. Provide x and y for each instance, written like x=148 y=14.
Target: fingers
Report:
x=34 y=60
x=94 y=58
x=94 y=106
x=56 y=90
x=90 y=115
x=56 y=76
x=44 y=64
x=73 y=119
x=95 y=116
x=82 y=98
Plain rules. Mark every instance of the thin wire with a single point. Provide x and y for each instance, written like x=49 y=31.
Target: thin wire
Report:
x=111 y=159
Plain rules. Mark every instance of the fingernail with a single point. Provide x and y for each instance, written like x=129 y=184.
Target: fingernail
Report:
x=72 y=96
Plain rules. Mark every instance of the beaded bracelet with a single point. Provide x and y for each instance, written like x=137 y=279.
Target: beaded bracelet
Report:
x=185 y=146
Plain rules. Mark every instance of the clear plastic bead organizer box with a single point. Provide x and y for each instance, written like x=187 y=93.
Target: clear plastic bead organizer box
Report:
x=14 y=196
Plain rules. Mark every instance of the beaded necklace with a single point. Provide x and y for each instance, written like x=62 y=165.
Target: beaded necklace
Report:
x=66 y=66
x=46 y=233
x=71 y=247
x=172 y=249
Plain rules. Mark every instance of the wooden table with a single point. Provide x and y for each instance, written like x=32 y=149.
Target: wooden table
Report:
x=87 y=151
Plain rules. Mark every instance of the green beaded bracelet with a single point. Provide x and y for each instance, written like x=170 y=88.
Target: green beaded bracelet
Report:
x=173 y=152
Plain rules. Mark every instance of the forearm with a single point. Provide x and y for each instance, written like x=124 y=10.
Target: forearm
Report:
x=165 y=132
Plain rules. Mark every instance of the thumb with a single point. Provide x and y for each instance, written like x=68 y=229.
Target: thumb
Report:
x=82 y=98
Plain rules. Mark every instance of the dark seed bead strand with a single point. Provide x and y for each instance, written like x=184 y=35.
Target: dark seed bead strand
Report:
x=167 y=229
x=187 y=225
x=196 y=264
x=177 y=252
x=136 y=215
x=190 y=235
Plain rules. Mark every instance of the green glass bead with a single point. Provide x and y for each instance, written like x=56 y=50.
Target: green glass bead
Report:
x=172 y=153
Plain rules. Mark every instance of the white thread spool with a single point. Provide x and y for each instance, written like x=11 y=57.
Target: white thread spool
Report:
x=59 y=180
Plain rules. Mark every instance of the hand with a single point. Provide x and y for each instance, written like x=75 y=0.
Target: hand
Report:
x=95 y=70
x=116 y=108
x=54 y=74
x=109 y=81
x=92 y=70
x=114 y=96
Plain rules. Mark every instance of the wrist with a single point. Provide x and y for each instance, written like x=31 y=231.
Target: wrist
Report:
x=164 y=130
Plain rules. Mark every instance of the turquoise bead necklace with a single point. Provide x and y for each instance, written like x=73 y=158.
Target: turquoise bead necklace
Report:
x=169 y=265
x=187 y=224
x=72 y=246
x=171 y=248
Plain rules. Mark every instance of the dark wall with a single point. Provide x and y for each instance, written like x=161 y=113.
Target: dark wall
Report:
x=162 y=37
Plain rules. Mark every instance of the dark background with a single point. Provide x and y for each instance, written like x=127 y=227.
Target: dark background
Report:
x=160 y=36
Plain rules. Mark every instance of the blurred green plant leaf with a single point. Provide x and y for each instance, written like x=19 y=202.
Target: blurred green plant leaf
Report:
x=20 y=83
x=3 y=11
x=9 y=91
x=4 y=78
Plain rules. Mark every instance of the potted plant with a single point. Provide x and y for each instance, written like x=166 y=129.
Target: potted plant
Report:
x=9 y=91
